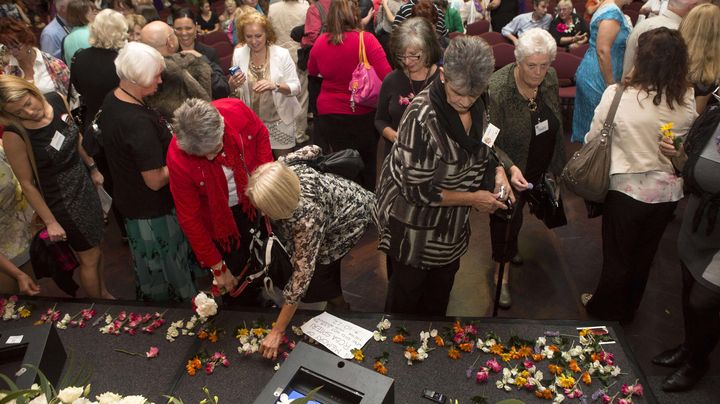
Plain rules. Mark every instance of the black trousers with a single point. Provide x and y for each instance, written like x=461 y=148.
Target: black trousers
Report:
x=420 y=291
x=351 y=132
x=702 y=320
x=631 y=232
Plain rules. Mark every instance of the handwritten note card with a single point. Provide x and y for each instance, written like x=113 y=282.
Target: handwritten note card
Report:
x=338 y=335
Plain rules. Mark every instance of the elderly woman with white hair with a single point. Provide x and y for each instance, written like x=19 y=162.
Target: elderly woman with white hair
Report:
x=216 y=147
x=525 y=106
x=433 y=177
x=136 y=139
x=321 y=217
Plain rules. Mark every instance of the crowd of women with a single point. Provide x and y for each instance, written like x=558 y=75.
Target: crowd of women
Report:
x=191 y=188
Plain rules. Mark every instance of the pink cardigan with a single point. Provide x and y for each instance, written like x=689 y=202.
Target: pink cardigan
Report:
x=336 y=63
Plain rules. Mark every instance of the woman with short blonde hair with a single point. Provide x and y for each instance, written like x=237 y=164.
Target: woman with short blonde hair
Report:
x=135 y=23
x=701 y=31
x=320 y=217
x=109 y=30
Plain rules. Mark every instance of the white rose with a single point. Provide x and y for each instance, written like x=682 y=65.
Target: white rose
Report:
x=39 y=400
x=70 y=394
x=499 y=384
x=108 y=398
x=205 y=306
x=559 y=398
x=433 y=333
x=133 y=400
x=83 y=400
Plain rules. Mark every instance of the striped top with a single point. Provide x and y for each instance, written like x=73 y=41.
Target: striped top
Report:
x=413 y=228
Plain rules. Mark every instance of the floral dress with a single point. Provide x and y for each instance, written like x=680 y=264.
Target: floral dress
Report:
x=332 y=215
x=15 y=216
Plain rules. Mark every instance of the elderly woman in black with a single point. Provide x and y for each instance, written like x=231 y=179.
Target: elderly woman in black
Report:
x=321 y=217
x=524 y=105
x=416 y=50
x=433 y=178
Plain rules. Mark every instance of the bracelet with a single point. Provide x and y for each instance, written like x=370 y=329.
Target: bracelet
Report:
x=92 y=166
x=218 y=272
x=277 y=86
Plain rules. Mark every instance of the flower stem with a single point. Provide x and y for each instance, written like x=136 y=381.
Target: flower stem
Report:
x=128 y=352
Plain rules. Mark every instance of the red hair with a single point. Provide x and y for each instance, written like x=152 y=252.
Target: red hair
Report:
x=14 y=32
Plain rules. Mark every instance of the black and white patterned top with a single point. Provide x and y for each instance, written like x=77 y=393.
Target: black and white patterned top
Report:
x=332 y=215
x=413 y=228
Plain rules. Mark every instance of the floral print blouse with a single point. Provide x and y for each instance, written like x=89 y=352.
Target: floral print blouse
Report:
x=15 y=216
x=332 y=215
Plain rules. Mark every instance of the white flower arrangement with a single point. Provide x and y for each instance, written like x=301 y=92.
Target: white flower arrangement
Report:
x=205 y=306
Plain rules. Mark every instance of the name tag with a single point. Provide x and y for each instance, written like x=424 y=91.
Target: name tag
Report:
x=57 y=141
x=491 y=133
x=542 y=127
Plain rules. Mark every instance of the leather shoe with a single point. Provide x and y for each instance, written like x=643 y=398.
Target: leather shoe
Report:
x=672 y=358
x=684 y=378
x=505 y=299
x=516 y=260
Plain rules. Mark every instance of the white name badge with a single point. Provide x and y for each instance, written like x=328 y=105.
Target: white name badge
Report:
x=491 y=133
x=57 y=141
x=542 y=127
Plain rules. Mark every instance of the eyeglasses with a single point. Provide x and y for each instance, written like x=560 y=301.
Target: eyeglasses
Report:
x=413 y=58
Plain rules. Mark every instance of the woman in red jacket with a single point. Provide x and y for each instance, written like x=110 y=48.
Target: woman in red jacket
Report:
x=215 y=149
x=334 y=57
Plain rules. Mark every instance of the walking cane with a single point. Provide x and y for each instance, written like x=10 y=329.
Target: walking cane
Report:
x=501 y=272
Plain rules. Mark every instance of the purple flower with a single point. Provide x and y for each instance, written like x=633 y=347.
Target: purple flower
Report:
x=468 y=372
x=552 y=333
x=597 y=394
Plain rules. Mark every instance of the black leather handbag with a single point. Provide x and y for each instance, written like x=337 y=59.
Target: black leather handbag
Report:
x=546 y=204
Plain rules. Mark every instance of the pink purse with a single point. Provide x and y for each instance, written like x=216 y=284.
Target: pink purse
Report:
x=365 y=83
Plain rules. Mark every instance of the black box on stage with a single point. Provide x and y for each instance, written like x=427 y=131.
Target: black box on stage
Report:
x=343 y=382
x=39 y=346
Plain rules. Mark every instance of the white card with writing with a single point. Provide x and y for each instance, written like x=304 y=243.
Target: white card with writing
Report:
x=491 y=133
x=338 y=335
x=57 y=141
x=15 y=339
x=542 y=127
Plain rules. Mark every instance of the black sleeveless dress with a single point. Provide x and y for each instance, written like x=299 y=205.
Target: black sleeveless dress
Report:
x=66 y=185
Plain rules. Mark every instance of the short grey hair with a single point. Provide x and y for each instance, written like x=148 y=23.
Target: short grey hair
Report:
x=139 y=63
x=535 y=41
x=109 y=30
x=199 y=127
x=469 y=62
x=418 y=33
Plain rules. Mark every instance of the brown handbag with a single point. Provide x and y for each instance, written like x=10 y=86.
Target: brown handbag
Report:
x=587 y=174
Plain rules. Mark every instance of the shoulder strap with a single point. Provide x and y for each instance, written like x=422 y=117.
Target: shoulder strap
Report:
x=321 y=11
x=362 y=56
x=31 y=157
x=613 y=109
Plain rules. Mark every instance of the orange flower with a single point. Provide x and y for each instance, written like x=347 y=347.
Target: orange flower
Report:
x=525 y=351
x=453 y=353
x=457 y=327
x=380 y=368
x=554 y=369
x=572 y=365
x=467 y=346
x=192 y=365
x=594 y=357
x=554 y=348
x=439 y=341
x=497 y=349
x=546 y=394
x=399 y=339
x=213 y=336
x=202 y=335
x=537 y=357
x=514 y=353
x=413 y=353
x=586 y=378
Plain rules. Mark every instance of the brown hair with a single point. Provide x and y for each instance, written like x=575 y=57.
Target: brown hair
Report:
x=425 y=9
x=343 y=16
x=14 y=32
x=77 y=11
x=256 y=18
x=653 y=70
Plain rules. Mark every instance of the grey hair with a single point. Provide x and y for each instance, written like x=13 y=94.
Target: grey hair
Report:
x=535 y=41
x=199 y=127
x=469 y=62
x=565 y=3
x=109 y=30
x=139 y=63
x=418 y=33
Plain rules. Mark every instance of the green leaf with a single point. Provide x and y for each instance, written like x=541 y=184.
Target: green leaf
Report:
x=17 y=395
x=45 y=386
x=510 y=401
x=173 y=400
x=11 y=384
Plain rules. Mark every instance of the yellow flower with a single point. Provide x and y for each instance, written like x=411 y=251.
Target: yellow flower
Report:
x=243 y=332
x=24 y=313
x=566 y=382
x=583 y=332
x=358 y=354
x=259 y=332
x=212 y=337
x=666 y=130
x=520 y=381
x=506 y=357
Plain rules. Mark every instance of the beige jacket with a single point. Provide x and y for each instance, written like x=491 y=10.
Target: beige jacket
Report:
x=635 y=142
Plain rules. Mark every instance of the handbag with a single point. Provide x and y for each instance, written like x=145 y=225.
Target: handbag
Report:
x=91 y=137
x=587 y=174
x=346 y=163
x=546 y=204
x=54 y=260
x=365 y=84
x=269 y=260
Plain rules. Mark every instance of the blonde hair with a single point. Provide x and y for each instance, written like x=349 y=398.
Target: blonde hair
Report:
x=109 y=30
x=241 y=12
x=701 y=29
x=255 y=18
x=134 y=20
x=274 y=188
x=14 y=89
x=566 y=3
